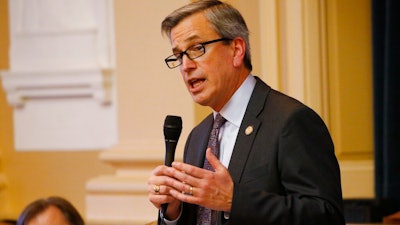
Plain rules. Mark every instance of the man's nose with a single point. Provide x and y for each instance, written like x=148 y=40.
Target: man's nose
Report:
x=187 y=63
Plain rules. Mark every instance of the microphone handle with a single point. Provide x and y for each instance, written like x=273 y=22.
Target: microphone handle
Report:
x=170 y=146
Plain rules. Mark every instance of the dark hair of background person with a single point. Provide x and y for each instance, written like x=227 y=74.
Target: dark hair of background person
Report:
x=8 y=222
x=67 y=209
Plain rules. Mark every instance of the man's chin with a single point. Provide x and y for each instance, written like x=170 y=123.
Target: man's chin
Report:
x=199 y=100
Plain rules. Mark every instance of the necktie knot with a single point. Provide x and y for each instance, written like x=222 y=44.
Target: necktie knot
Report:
x=213 y=142
x=218 y=121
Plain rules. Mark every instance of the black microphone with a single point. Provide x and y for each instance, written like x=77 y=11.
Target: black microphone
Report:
x=172 y=131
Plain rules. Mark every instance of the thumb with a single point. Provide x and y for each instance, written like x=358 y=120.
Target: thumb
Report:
x=214 y=161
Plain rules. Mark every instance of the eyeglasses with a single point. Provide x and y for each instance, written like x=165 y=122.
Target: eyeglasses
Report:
x=193 y=52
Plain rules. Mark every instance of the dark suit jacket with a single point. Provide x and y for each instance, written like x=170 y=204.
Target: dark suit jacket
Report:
x=284 y=172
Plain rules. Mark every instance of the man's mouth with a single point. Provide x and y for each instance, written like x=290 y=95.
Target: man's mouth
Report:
x=196 y=83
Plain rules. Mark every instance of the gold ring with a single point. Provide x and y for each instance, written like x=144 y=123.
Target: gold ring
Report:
x=191 y=190
x=156 y=189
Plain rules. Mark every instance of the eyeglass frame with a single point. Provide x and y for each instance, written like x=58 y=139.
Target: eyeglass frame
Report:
x=180 y=55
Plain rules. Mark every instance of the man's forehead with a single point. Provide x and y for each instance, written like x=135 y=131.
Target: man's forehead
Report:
x=192 y=29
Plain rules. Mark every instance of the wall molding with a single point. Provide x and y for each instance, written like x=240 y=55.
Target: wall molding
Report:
x=23 y=86
x=357 y=178
x=60 y=81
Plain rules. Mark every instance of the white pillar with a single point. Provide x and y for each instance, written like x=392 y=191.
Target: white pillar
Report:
x=148 y=91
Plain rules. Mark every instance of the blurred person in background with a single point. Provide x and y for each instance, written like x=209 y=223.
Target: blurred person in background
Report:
x=50 y=211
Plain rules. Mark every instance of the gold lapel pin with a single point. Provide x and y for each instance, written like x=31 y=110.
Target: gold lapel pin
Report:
x=249 y=130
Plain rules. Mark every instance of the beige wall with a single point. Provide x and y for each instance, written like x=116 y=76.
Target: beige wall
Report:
x=38 y=174
x=31 y=175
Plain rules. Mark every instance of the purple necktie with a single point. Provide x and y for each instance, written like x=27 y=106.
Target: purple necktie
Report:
x=207 y=216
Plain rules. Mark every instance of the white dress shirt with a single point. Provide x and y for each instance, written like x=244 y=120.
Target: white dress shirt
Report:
x=233 y=112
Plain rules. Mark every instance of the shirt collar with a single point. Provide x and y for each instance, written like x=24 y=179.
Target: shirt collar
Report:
x=234 y=109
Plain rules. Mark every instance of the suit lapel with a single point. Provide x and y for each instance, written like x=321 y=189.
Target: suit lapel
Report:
x=248 y=130
x=244 y=141
x=198 y=141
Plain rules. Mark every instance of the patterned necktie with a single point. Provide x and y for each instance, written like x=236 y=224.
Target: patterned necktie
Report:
x=207 y=216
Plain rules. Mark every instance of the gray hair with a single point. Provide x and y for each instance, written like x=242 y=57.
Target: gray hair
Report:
x=224 y=19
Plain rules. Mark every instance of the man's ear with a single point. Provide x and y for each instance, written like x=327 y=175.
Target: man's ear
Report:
x=239 y=51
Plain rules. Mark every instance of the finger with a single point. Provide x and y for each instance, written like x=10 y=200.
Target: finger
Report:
x=188 y=190
x=162 y=175
x=185 y=197
x=158 y=200
x=183 y=183
x=156 y=189
x=160 y=185
x=196 y=198
x=188 y=169
x=159 y=170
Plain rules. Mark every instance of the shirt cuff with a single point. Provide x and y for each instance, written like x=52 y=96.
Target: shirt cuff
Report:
x=171 y=222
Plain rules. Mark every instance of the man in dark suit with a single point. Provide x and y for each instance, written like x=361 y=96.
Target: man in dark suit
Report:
x=276 y=162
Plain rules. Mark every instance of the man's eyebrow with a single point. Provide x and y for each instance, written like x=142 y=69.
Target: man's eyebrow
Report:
x=176 y=50
x=191 y=38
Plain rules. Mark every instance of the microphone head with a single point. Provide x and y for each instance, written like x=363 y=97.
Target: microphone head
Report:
x=172 y=127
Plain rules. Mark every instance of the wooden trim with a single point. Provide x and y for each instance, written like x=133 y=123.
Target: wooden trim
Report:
x=315 y=57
